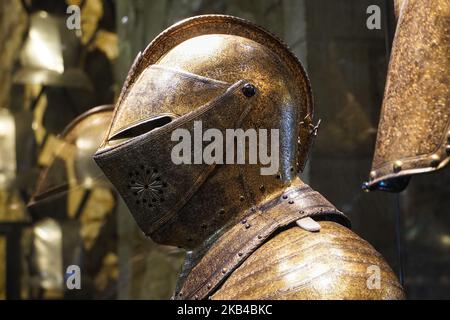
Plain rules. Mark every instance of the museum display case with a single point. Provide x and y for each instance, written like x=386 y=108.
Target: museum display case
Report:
x=94 y=205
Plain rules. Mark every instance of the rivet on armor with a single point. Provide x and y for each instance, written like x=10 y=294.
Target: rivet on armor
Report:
x=285 y=197
x=259 y=237
x=373 y=174
x=240 y=254
x=262 y=188
x=222 y=211
x=224 y=270
x=209 y=286
x=291 y=201
x=244 y=221
x=241 y=198
x=398 y=166
x=247 y=226
x=365 y=187
x=435 y=160
x=196 y=297
x=249 y=90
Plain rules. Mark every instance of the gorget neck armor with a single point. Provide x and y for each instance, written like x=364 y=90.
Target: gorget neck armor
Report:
x=208 y=266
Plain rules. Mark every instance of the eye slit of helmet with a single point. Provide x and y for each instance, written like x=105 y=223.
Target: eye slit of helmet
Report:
x=144 y=127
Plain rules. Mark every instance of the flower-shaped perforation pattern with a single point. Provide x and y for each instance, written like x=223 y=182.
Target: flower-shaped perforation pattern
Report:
x=147 y=186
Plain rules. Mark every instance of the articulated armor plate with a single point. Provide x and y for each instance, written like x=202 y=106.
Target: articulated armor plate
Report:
x=243 y=239
x=414 y=130
x=225 y=73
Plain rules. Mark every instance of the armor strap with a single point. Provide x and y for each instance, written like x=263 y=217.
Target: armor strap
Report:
x=238 y=243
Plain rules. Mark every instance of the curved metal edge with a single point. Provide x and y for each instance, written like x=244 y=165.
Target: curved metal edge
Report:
x=78 y=119
x=403 y=168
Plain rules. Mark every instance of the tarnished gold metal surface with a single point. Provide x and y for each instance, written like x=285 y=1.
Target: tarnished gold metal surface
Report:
x=147 y=101
x=197 y=70
x=255 y=228
x=296 y=264
x=192 y=65
x=11 y=205
x=72 y=166
x=154 y=188
x=49 y=55
x=414 y=130
x=48 y=255
x=228 y=49
x=74 y=190
x=397 y=7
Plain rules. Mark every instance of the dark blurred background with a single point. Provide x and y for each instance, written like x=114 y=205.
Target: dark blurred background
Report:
x=46 y=84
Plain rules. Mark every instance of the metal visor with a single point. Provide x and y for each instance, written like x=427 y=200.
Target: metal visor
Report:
x=162 y=92
x=143 y=170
